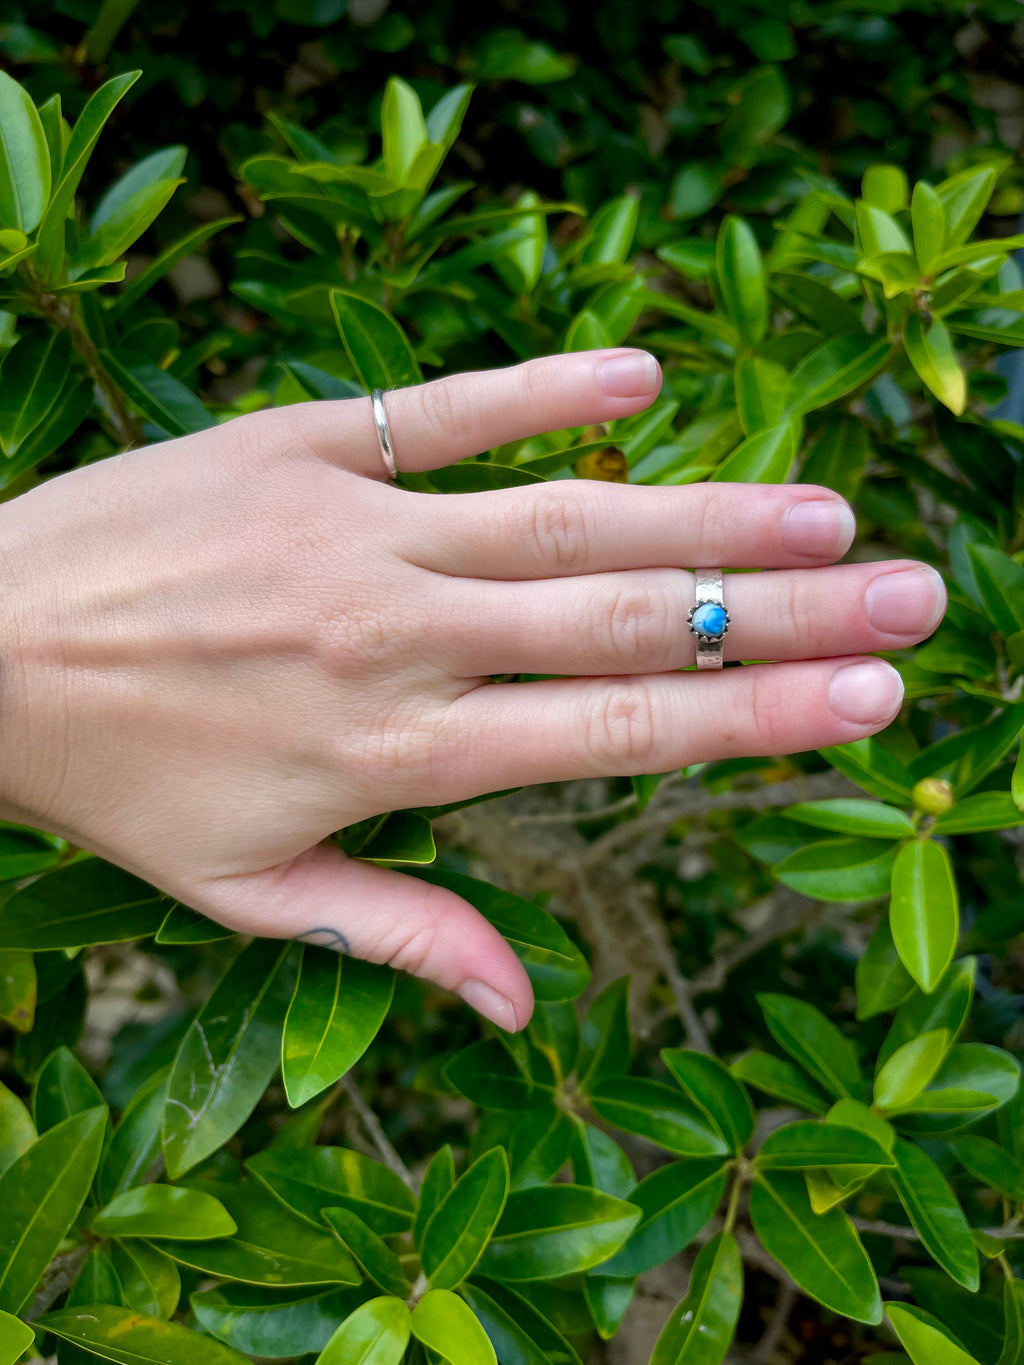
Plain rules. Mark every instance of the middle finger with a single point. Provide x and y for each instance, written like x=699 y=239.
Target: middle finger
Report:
x=635 y=622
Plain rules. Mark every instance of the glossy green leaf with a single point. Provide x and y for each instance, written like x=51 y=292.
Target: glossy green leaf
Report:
x=135 y=1145
x=487 y=1074
x=84 y=135
x=273 y=1245
x=438 y=1180
x=658 y=1112
x=933 y=356
x=675 y=1202
x=66 y=415
x=834 y=369
x=608 y=1300
x=545 y=1233
x=969 y=755
x=97 y=1281
x=805 y=1145
x=33 y=373
x=923 y=1337
x=458 y=1232
x=149 y=1279
x=538 y=1146
x=86 y=903
x=229 y=1054
x=947 y=1008
x=700 y=1329
x=131 y=1338
x=839 y=869
x=371 y=1253
x=62 y=1087
x=882 y=981
x=610 y=232
x=24 y=159
x=992 y=1165
x=374 y=342
x=1000 y=583
x=599 y=1161
x=17 y=988
x=404 y=129
x=158 y=267
x=17 y=1131
x=815 y=1042
x=15 y=1338
x=885 y=187
x=448 y=1326
x=910 y=1068
x=854 y=816
x=308 y=1179
x=337 y=1009
x=822 y=1252
x=935 y=1214
x=186 y=927
x=928 y=217
x=873 y=768
x=760 y=392
x=716 y=1093
x=779 y=1078
x=507 y=54
x=163 y=1211
x=556 y=967
x=41 y=1193
x=765 y=457
x=519 y=1333
x=377 y=1333
x=259 y=1322
x=605 y=1043
x=1013 y=1342
x=964 y=197
x=924 y=913
x=158 y=396
x=741 y=279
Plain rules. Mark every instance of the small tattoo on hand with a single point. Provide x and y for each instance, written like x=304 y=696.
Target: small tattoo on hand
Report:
x=326 y=937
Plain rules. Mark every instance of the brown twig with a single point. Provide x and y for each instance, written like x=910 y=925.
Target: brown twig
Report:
x=376 y=1133
x=60 y=1276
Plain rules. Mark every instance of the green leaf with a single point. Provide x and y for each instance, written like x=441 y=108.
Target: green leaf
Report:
x=159 y=266
x=149 y=1280
x=700 y=1329
x=15 y=1338
x=227 y=1057
x=946 y=1008
x=117 y=226
x=806 y=1145
x=822 y=1252
x=929 y=221
x=83 y=139
x=815 y=1042
x=24 y=159
x=556 y=967
x=1013 y=1345
x=967 y=756
x=910 y=1068
x=135 y=1146
x=97 y=1282
x=760 y=106
x=935 y=1214
x=924 y=1338
x=547 y=1232
x=273 y=1246
x=882 y=980
x=766 y=457
x=32 y=376
x=964 y=198
x=374 y=342
x=924 y=913
x=716 y=1093
x=608 y=1301
x=252 y=1319
x=518 y=1331
x=538 y=1146
x=445 y=118
x=62 y=1087
x=933 y=356
x=371 y=1253
x=487 y=1074
x=610 y=232
x=65 y=416
x=17 y=988
x=404 y=129
x=528 y=252
x=599 y=1161
x=458 y=1232
x=982 y=811
x=41 y=1193
x=658 y=1112
x=834 y=369
x=448 y=1326
x=130 y=1338
x=438 y=1180
x=507 y=54
x=760 y=392
x=885 y=187
x=155 y=1211
x=185 y=927
x=158 y=396
x=308 y=1179
x=873 y=768
x=1000 y=583
x=377 y=1333
x=741 y=279
x=992 y=1165
x=839 y=869
x=853 y=816
x=675 y=1202
x=779 y=1078
x=337 y=1009
x=17 y=1131
x=605 y=1044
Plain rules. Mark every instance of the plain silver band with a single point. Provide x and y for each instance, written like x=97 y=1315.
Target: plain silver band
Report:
x=380 y=417
x=710 y=589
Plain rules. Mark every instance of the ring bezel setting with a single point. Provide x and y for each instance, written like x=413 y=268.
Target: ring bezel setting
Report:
x=714 y=637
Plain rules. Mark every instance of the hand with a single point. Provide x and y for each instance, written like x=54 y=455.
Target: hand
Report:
x=222 y=649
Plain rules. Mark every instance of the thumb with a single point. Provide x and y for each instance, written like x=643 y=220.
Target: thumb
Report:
x=372 y=912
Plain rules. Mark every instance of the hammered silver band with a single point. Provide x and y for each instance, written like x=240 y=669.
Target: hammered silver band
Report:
x=380 y=418
x=708 y=619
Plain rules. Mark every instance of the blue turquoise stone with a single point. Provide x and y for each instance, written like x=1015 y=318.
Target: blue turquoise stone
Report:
x=709 y=619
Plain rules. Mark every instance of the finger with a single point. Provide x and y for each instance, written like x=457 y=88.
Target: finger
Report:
x=383 y=916
x=636 y=622
x=518 y=734
x=566 y=527
x=438 y=423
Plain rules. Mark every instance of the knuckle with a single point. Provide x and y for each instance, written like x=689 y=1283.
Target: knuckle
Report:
x=770 y=712
x=714 y=527
x=638 y=633
x=411 y=943
x=443 y=416
x=619 y=732
x=558 y=529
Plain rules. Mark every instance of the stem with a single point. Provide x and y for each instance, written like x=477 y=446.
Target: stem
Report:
x=732 y=1212
x=377 y=1134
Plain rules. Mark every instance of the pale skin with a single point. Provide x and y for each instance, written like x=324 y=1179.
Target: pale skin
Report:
x=222 y=649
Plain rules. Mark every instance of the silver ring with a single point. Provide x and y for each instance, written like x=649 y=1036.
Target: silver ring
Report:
x=380 y=417
x=708 y=618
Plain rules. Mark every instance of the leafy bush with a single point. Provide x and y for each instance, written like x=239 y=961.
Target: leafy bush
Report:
x=811 y=326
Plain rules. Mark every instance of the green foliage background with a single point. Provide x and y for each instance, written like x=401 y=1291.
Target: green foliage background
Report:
x=805 y=1096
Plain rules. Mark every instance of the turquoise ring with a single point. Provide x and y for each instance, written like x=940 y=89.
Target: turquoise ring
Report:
x=708 y=619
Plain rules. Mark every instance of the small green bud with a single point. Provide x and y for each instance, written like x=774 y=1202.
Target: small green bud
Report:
x=932 y=796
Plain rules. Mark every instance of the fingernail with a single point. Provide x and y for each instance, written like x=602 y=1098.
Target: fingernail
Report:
x=818 y=527
x=866 y=693
x=488 y=1002
x=907 y=602
x=629 y=376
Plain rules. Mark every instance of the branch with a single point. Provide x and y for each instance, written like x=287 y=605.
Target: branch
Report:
x=772 y=1338
x=653 y=927
x=61 y=1274
x=377 y=1135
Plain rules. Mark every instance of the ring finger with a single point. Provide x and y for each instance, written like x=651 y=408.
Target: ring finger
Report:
x=636 y=622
